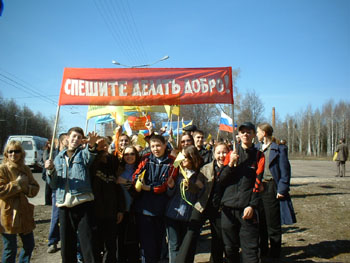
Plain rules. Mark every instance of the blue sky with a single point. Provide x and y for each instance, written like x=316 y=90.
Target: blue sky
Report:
x=291 y=53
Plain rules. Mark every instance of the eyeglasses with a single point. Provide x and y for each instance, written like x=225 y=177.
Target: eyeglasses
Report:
x=129 y=154
x=14 y=151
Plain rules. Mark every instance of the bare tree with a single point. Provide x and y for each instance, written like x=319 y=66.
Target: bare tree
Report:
x=318 y=124
x=251 y=108
x=328 y=116
x=308 y=116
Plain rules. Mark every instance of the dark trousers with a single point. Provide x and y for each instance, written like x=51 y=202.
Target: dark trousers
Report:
x=48 y=190
x=270 y=221
x=107 y=240
x=54 y=232
x=128 y=244
x=77 y=221
x=151 y=233
x=341 y=168
x=236 y=233
x=187 y=250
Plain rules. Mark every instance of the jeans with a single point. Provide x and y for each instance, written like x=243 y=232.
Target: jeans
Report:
x=176 y=231
x=54 y=232
x=10 y=248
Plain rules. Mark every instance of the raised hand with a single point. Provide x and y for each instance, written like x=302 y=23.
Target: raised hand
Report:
x=92 y=138
x=149 y=126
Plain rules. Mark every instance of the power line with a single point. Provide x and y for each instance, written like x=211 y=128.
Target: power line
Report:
x=125 y=15
x=122 y=26
x=136 y=30
x=14 y=82
x=116 y=35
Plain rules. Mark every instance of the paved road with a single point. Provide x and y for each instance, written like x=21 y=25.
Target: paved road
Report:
x=314 y=171
x=40 y=198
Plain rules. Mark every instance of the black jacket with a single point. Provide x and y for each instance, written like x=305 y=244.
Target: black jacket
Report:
x=240 y=183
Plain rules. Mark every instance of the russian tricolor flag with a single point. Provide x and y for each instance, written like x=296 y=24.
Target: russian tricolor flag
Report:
x=226 y=123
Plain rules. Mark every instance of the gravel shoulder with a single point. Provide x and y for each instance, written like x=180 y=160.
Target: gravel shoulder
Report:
x=321 y=234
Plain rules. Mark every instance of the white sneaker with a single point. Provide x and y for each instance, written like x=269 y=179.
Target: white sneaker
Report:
x=52 y=248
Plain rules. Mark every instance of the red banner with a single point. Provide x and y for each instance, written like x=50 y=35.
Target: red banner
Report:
x=146 y=86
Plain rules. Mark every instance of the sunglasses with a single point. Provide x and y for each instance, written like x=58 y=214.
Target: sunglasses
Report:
x=186 y=141
x=14 y=151
x=129 y=154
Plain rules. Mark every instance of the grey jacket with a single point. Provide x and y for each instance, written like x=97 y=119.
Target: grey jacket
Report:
x=343 y=152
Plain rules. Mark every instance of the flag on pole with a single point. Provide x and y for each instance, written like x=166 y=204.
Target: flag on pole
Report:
x=209 y=138
x=176 y=110
x=188 y=124
x=179 y=158
x=226 y=123
x=127 y=128
x=172 y=110
x=118 y=115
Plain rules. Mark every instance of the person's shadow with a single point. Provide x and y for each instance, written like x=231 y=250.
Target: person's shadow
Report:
x=322 y=250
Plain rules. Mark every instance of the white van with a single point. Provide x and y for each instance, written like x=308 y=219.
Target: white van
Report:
x=34 y=148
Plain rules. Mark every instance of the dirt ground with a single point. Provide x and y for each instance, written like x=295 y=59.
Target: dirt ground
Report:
x=322 y=205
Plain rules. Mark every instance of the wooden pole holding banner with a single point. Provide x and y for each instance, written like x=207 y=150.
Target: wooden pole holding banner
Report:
x=54 y=132
x=233 y=114
x=178 y=130
x=233 y=123
x=217 y=137
x=86 y=126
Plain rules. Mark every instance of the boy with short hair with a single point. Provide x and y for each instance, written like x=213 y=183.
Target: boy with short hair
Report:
x=240 y=180
x=207 y=155
x=156 y=168
x=69 y=176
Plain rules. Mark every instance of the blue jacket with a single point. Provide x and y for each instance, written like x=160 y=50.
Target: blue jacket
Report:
x=153 y=202
x=177 y=208
x=77 y=173
x=281 y=172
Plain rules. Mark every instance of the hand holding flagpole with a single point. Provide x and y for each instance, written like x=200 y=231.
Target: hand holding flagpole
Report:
x=234 y=156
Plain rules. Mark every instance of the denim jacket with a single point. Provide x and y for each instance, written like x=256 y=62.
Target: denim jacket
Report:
x=78 y=173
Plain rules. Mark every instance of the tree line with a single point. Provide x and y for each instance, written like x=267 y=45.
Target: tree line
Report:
x=21 y=120
x=309 y=132
x=316 y=132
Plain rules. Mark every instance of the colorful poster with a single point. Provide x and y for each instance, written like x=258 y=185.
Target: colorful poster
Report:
x=138 y=123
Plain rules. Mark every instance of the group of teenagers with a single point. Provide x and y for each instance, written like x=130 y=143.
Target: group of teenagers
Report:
x=118 y=202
